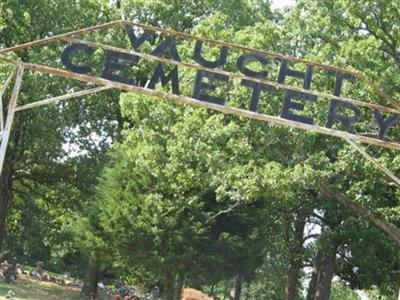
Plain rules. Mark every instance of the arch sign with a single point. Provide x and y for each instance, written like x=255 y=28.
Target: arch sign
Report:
x=259 y=74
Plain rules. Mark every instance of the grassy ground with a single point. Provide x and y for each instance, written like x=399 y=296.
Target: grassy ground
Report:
x=28 y=289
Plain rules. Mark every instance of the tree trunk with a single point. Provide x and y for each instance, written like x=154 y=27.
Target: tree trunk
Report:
x=236 y=289
x=292 y=280
x=5 y=196
x=296 y=261
x=325 y=261
x=326 y=272
x=89 y=289
x=168 y=287
x=6 y=182
x=324 y=265
x=178 y=288
x=319 y=287
x=312 y=285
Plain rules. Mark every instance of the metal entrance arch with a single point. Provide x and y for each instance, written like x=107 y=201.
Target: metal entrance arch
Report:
x=353 y=139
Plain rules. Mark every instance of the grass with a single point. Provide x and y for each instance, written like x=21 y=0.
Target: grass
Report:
x=29 y=289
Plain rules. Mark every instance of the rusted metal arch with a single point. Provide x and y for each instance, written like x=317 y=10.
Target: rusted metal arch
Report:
x=353 y=72
x=70 y=37
x=236 y=75
x=352 y=139
x=221 y=108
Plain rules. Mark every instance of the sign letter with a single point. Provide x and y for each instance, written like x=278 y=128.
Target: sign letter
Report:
x=243 y=59
x=137 y=41
x=384 y=124
x=66 y=57
x=288 y=104
x=339 y=80
x=168 y=45
x=347 y=121
x=199 y=85
x=285 y=71
x=111 y=66
x=159 y=75
x=255 y=95
x=209 y=64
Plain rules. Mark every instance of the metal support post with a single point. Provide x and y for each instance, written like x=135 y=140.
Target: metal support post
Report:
x=10 y=115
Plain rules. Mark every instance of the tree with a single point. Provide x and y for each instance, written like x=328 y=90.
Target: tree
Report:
x=342 y=38
x=37 y=155
x=169 y=199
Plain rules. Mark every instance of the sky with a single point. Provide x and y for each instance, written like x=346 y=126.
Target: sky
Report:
x=281 y=3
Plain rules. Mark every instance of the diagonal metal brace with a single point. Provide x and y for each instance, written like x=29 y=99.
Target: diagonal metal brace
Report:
x=372 y=159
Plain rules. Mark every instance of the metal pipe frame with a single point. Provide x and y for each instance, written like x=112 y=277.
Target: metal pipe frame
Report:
x=105 y=84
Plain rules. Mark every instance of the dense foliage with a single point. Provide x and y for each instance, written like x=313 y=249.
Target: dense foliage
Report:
x=181 y=195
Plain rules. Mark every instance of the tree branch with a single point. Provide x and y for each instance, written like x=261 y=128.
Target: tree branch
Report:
x=225 y=211
x=390 y=229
